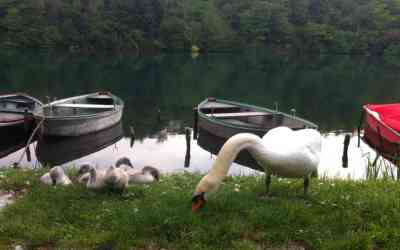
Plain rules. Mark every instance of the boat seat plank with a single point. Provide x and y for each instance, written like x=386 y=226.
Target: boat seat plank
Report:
x=217 y=105
x=238 y=114
x=86 y=106
x=8 y=117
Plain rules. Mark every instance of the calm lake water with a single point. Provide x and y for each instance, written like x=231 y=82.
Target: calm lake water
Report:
x=161 y=91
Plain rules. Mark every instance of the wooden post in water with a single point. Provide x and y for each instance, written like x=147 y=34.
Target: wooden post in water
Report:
x=195 y=125
x=26 y=121
x=187 y=155
x=159 y=115
x=27 y=130
x=346 y=143
x=132 y=135
x=28 y=153
x=398 y=172
x=359 y=128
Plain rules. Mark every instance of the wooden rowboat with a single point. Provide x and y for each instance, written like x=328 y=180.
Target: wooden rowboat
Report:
x=224 y=118
x=16 y=113
x=381 y=124
x=80 y=115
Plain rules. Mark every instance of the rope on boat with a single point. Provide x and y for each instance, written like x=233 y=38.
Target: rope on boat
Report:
x=39 y=125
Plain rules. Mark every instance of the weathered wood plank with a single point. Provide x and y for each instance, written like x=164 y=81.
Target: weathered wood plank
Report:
x=237 y=114
x=86 y=106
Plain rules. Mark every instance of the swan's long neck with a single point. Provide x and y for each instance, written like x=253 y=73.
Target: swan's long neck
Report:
x=226 y=156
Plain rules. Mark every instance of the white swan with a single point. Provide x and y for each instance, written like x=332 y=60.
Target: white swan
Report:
x=146 y=176
x=55 y=176
x=281 y=151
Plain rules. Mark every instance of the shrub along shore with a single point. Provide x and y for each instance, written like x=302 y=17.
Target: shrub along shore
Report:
x=335 y=26
x=337 y=215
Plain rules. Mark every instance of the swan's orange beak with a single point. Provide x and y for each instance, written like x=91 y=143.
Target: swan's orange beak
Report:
x=198 y=202
x=196 y=206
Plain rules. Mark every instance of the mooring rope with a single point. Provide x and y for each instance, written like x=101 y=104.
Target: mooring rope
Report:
x=29 y=141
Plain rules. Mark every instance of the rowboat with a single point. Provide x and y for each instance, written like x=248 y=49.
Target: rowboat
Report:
x=59 y=150
x=80 y=115
x=16 y=113
x=381 y=125
x=224 y=118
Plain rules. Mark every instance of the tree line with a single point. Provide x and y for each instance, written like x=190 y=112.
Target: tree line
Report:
x=319 y=26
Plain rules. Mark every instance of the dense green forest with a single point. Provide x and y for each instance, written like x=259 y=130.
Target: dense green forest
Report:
x=322 y=26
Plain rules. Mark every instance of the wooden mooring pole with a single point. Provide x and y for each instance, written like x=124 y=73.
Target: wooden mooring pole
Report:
x=188 y=140
x=132 y=135
x=346 y=143
x=195 y=125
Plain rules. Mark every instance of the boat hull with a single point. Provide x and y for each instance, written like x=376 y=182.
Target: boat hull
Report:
x=212 y=143
x=380 y=136
x=16 y=117
x=80 y=115
x=80 y=126
x=223 y=131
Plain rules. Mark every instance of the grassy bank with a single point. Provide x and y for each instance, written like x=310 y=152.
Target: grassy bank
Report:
x=337 y=215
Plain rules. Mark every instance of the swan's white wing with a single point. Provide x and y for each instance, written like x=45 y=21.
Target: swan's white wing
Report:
x=292 y=153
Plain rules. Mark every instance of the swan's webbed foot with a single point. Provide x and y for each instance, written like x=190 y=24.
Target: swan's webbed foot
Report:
x=306 y=185
x=267 y=184
x=267 y=193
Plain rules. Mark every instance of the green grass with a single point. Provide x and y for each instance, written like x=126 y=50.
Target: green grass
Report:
x=337 y=215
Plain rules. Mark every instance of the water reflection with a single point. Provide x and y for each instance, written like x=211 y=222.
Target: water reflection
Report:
x=169 y=154
x=10 y=143
x=60 y=150
x=160 y=92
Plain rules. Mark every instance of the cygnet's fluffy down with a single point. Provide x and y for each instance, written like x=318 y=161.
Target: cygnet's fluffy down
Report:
x=96 y=179
x=116 y=178
x=146 y=176
x=84 y=172
x=113 y=178
x=55 y=176
x=124 y=163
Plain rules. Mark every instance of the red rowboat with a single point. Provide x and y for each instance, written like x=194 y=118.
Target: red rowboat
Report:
x=381 y=124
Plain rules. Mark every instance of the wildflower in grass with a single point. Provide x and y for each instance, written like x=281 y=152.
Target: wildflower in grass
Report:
x=345 y=197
